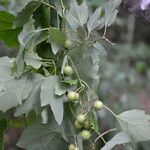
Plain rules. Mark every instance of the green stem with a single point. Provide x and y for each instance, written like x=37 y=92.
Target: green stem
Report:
x=87 y=87
x=101 y=135
x=77 y=74
x=72 y=111
x=48 y=5
x=114 y=115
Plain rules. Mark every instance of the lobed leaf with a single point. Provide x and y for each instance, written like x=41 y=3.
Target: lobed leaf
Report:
x=39 y=136
x=7 y=33
x=77 y=15
x=119 y=138
x=24 y=16
x=33 y=100
x=48 y=97
x=136 y=123
x=95 y=20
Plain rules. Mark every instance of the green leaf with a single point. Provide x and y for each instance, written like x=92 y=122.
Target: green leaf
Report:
x=30 y=37
x=77 y=15
x=61 y=89
x=5 y=69
x=119 y=138
x=55 y=47
x=85 y=67
x=111 y=12
x=18 y=67
x=33 y=100
x=56 y=36
x=43 y=137
x=70 y=82
x=48 y=97
x=13 y=91
x=24 y=16
x=6 y=20
x=10 y=37
x=57 y=40
x=7 y=33
x=93 y=121
x=96 y=52
x=32 y=59
x=136 y=123
x=95 y=20
x=42 y=16
x=24 y=121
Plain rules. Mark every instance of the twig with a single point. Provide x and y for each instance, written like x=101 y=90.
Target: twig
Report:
x=106 y=132
x=49 y=5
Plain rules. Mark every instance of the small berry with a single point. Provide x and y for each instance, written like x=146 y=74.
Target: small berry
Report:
x=87 y=125
x=76 y=96
x=76 y=148
x=78 y=125
x=85 y=134
x=68 y=44
x=71 y=96
x=98 y=105
x=72 y=147
x=81 y=118
x=68 y=71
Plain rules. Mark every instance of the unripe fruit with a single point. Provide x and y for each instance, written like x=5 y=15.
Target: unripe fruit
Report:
x=68 y=71
x=76 y=96
x=68 y=44
x=71 y=96
x=85 y=134
x=81 y=118
x=78 y=125
x=76 y=148
x=98 y=105
x=87 y=125
x=72 y=147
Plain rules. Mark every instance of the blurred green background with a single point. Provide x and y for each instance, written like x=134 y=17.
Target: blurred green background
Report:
x=125 y=73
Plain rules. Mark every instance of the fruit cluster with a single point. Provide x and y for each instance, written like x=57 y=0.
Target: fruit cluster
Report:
x=82 y=122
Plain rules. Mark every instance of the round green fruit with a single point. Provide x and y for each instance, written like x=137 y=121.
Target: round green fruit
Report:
x=77 y=96
x=78 y=125
x=68 y=44
x=68 y=71
x=85 y=134
x=76 y=148
x=71 y=96
x=72 y=147
x=87 y=125
x=81 y=118
x=98 y=105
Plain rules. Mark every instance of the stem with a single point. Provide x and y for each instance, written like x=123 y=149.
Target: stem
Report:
x=72 y=111
x=103 y=140
x=110 y=111
x=87 y=87
x=85 y=32
x=106 y=132
x=25 y=121
x=63 y=13
x=76 y=71
x=114 y=115
x=107 y=40
x=48 y=5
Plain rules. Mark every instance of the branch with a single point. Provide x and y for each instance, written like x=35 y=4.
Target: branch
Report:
x=101 y=135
